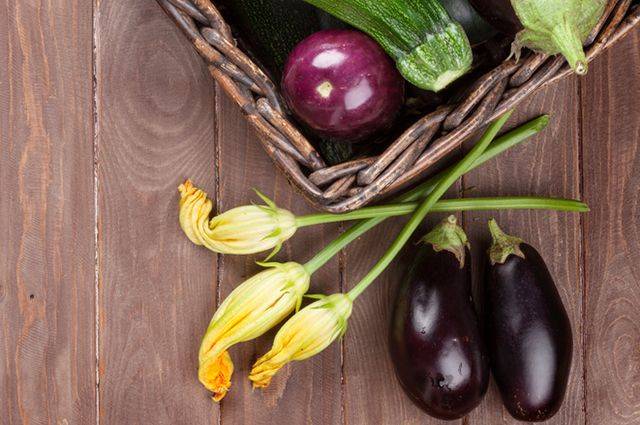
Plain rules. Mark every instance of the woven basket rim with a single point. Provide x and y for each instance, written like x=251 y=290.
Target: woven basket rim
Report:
x=408 y=159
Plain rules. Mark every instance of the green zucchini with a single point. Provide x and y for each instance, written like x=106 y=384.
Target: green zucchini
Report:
x=431 y=50
x=272 y=28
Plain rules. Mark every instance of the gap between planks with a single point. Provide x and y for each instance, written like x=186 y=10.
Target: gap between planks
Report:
x=582 y=248
x=216 y=142
x=96 y=187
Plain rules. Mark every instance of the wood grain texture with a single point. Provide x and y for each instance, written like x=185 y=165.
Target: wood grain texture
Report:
x=47 y=358
x=157 y=290
x=611 y=152
x=546 y=165
x=302 y=392
x=159 y=120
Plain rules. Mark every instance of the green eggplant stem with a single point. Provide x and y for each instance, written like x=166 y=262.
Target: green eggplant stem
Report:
x=552 y=27
x=449 y=236
x=503 y=245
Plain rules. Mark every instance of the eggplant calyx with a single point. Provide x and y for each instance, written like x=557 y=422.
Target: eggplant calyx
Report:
x=569 y=44
x=503 y=245
x=562 y=39
x=554 y=27
x=448 y=236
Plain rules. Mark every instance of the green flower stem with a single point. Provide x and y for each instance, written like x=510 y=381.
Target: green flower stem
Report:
x=340 y=242
x=444 y=206
x=509 y=203
x=441 y=188
x=389 y=210
x=451 y=205
x=498 y=146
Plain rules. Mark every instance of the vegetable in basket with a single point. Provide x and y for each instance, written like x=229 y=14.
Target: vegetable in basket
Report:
x=342 y=85
x=430 y=49
x=548 y=26
x=475 y=26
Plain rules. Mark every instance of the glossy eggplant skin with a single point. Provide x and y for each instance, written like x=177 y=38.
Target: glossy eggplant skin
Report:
x=500 y=14
x=435 y=341
x=528 y=335
x=478 y=29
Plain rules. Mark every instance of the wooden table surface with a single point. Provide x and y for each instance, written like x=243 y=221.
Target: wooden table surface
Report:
x=105 y=109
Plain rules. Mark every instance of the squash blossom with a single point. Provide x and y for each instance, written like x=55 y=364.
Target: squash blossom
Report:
x=254 y=307
x=306 y=334
x=247 y=229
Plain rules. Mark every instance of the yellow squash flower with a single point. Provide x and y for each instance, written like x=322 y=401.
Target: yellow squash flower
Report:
x=307 y=333
x=254 y=307
x=243 y=230
x=215 y=375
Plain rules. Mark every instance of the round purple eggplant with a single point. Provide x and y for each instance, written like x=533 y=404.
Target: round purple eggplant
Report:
x=528 y=330
x=435 y=339
x=342 y=85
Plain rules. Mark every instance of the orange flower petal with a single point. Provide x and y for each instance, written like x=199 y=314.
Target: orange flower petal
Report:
x=215 y=375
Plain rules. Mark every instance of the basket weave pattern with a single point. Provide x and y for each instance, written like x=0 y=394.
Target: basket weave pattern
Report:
x=353 y=184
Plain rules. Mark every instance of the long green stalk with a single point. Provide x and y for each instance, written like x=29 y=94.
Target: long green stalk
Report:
x=441 y=188
x=450 y=205
x=509 y=203
x=498 y=146
x=444 y=206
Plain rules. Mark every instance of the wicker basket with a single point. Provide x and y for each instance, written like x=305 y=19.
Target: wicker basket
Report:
x=411 y=156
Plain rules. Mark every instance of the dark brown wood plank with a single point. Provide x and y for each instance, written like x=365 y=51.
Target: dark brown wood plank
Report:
x=547 y=165
x=302 y=392
x=47 y=358
x=611 y=152
x=157 y=290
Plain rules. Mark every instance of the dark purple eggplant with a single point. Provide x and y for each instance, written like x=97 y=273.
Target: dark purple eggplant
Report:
x=528 y=330
x=478 y=29
x=435 y=338
x=342 y=85
x=500 y=14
